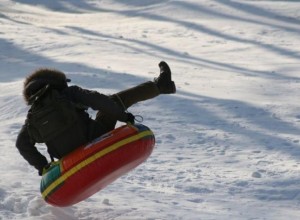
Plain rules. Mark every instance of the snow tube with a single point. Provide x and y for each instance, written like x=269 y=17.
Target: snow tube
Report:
x=91 y=167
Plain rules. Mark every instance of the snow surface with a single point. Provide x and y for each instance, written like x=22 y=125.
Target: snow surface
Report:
x=228 y=144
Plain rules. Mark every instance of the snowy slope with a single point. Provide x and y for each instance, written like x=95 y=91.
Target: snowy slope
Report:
x=228 y=144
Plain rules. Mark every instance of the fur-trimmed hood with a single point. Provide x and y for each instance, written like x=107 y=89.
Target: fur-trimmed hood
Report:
x=42 y=77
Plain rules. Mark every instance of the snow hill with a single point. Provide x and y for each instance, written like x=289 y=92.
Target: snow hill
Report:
x=228 y=144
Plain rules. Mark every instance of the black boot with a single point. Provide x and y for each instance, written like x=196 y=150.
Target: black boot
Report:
x=164 y=81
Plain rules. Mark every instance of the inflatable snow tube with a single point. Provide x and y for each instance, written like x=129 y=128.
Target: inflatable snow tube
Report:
x=91 y=167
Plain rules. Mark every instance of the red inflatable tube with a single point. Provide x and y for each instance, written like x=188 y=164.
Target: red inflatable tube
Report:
x=90 y=168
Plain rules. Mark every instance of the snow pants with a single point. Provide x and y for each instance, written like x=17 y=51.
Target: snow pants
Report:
x=127 y=98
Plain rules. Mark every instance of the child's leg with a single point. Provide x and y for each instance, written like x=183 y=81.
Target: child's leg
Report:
x=142 y=92
x=126 y=99
x=148 y=90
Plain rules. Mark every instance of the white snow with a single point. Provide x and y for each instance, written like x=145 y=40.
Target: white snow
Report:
x=228 y=144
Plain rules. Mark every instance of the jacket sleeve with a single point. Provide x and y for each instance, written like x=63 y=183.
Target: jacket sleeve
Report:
x=97 y=101
x=28 y=150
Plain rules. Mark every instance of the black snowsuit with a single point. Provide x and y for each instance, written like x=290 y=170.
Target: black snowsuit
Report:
x=109 y=108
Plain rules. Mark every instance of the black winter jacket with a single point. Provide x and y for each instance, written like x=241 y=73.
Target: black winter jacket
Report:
x=87 y=130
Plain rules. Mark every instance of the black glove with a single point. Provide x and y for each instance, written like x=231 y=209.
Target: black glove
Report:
x=40 y=172
x=44 y=170
x=130 y=118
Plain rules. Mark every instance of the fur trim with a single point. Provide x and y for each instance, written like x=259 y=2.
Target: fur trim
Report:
x=42 y=77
